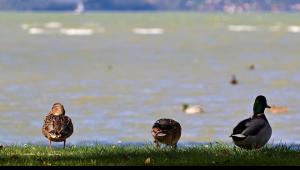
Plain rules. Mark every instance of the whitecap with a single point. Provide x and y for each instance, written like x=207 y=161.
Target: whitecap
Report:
x=25 y=26
x=293 y=28
x=241 y=28
x=36 y=31
x=148 y=31
x=53 y=25
x=77 y=32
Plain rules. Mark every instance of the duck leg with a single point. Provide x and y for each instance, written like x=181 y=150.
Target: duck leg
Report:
x=157 y=144
x=50 y=144
x=174 y=146
x=64 y=144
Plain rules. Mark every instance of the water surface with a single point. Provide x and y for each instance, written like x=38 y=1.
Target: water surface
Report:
x=116 y=82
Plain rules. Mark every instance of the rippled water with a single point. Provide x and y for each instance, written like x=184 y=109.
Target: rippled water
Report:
x=115 y=83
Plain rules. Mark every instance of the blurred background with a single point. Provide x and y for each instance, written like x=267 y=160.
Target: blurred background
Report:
x=118 y=66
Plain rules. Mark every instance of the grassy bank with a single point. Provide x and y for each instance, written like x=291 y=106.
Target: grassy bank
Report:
x=219 y=154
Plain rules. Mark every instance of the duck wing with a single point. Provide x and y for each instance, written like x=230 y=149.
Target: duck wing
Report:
x=248 y=127
x=254 y=127
x=47 y=126
x=66 y=127
x=241 y=127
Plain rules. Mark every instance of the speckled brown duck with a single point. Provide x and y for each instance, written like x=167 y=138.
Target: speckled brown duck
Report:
x=57 y=126
x=166 y=131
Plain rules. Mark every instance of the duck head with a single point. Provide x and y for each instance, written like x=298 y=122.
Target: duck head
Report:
x=260 y=105
x=58 y=109
x=184 y=106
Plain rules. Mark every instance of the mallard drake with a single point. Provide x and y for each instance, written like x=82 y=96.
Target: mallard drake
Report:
x=234 y=81
x=192 y=109
x=254 y=132
x=166 y=131
x=278 y=109
x=57 y=126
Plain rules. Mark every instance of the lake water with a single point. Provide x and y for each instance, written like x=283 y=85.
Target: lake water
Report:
x=117 y=73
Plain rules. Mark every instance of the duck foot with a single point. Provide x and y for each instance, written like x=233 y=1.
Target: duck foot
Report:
x=50 y=144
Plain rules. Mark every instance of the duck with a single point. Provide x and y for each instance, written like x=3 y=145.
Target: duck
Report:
x=254 y=132
x=234 y=81
x=192 y=109
x=166 y=131
x=109 y=67
x=252 y=67
x=57 y=126
x=278 y=109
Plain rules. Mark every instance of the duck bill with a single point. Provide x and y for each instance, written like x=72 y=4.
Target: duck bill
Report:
x=269 y=107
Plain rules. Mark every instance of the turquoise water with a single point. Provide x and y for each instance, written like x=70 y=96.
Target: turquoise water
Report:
x=117 y=73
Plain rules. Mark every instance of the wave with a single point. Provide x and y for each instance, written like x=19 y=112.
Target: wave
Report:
x=148 y=31
x=53 y=25
x=293 y=28
x=77 y=31
x=36 y=31
x=242 y=28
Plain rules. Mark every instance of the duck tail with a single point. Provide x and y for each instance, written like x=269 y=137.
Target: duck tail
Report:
x=53 y=134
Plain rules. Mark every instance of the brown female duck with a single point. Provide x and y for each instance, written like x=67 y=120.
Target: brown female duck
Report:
x=57 y=126
x=166 y=131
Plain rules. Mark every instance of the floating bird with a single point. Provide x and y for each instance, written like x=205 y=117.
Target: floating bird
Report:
x=252 y=67
x=278 y=109
x=166 y=131
x=110 y=67
x=192 y=109
x=233 y=80
x=254 y=132
x=57 y=126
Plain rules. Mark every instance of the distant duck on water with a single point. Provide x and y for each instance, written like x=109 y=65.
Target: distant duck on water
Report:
x=166 y=131
x=252 y=67
x=234 y=80
x=192 y=109
x=57 y=126
x=278 y=109
x=254 y=132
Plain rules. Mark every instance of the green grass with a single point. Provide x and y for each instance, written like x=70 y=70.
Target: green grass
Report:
x=216 y=154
